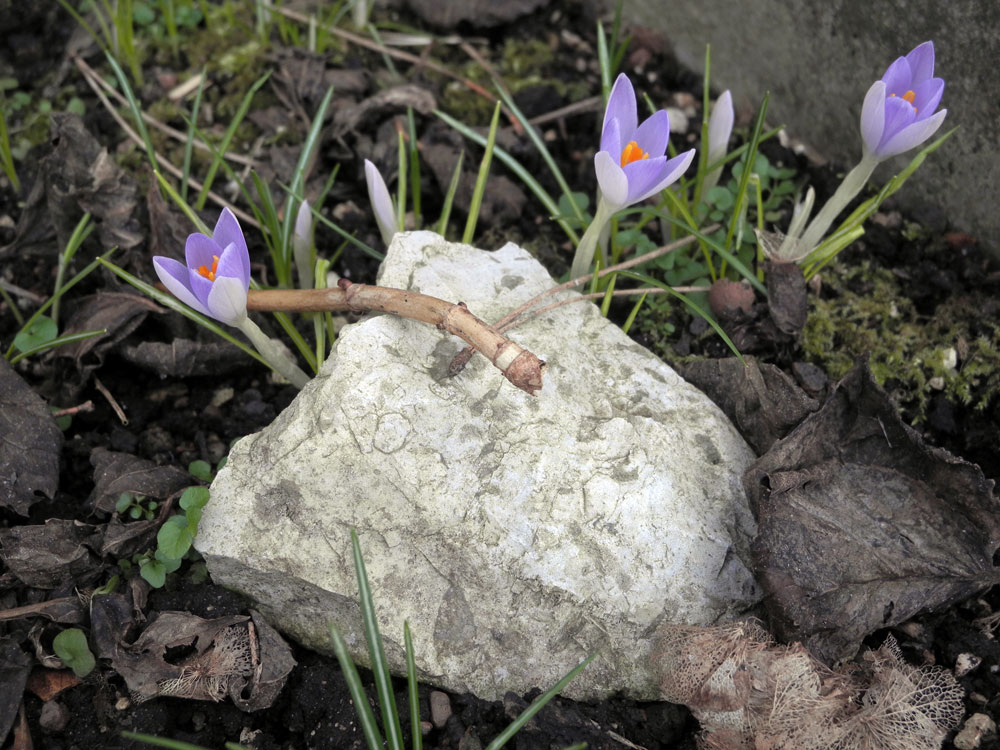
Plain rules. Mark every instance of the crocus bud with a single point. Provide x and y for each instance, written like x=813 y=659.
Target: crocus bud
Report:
x=382 y=205
x=720 y=126
x=302 y=243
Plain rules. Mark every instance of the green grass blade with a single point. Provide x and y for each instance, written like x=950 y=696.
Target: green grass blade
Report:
x=515 y=166
x=411 y=128
x=80 y=233
x=449 y=198
x=484 y=171
x=150 y=739
x=380 y=665
x=543 y=150
x=307 y=155
x=365 y=716
x=649 y=280
x=86 y=271
x=416 y=738
x=6 y=157
x=751 y=156
x=627 y=325
x=135 y=109
x=189 y=143
x=539 y=703
x=603 y=61
x=58 y=341
x=227 y=139
x=170 y=301
x=401 y=183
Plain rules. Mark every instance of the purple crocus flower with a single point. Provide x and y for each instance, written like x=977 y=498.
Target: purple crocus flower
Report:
x=898 y=113
x=631 y=164
x=216 y=276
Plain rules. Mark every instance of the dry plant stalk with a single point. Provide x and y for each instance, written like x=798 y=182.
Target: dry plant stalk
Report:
x=518 y=365
x=751 y=694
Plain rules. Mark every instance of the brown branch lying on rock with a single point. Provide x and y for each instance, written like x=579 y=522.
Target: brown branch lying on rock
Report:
x=461 y=359
x=518 y=365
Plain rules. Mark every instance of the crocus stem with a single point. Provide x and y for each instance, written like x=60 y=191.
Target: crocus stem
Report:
x=853 y=184
x=588 y=243
x=270 y=351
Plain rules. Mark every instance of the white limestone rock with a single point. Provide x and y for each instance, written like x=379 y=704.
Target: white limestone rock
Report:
x=517 y=534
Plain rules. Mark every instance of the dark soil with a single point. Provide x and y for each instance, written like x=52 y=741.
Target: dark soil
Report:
x=173 y=420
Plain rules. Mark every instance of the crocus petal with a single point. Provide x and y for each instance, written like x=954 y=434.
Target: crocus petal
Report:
x=898 y=114
x=897 y=77
x=382 y=206
x=227 y=302
x=304 y=222
x=611 y=179
x=231 y=266
x=720 y=126
x=653 y=134
x=671 y=171
x=227 y=231
x=175 y=277
x=621 y=104
x=921 y=62
x=200 y=286
x=927 y=95
x=611 y=138
x=873 y=117
x=912 y=135
x=200 y=250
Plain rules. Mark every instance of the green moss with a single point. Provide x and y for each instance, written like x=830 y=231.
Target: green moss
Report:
x=523 y=64
x=912 y=356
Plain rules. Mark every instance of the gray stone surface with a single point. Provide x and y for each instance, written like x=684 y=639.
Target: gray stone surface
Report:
x=818 y=60
x=516 y=534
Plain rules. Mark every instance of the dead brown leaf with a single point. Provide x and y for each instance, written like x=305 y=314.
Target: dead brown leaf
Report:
x=761 y=400
x=81 y=176
x=115 y=473
x=118 y=312
x=182 y=357
x=862 y=526
x=30 y=444
x=65 y=609
x=46 y=555
x=14 y=668
x=184 y=656
x=48 y=683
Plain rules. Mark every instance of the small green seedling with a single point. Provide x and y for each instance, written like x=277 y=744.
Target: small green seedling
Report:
x=71 y=647
x=135 y=506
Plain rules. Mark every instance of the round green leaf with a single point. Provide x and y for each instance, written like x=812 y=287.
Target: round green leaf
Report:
x=40 y=332
x=71 y=647
x=154 y=572
x=174 y=539
x=194 y=497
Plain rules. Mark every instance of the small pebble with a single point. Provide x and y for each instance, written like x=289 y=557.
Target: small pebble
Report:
x=440 y=708
x=54 y=716
x=965 y=663
x=976 y=728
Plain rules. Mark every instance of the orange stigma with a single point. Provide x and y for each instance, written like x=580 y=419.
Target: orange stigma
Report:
x=909 y=96
x=632 y=153
x=210 y=275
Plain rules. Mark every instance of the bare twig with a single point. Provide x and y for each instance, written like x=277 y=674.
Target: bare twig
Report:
x=518 y=365
x=111 y=401
x=73 y=410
